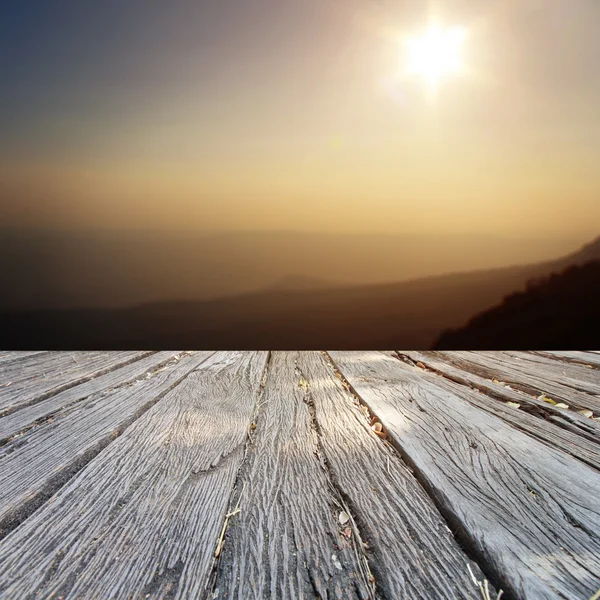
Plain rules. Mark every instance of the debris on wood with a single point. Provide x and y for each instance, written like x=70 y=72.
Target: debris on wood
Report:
x=343 y=517
x=596 y=596
x=483 y=587
x=377 y=429
x=544 y=398
x=227 y=517
x=586 y=413
x=336 y=563
x=514 y=404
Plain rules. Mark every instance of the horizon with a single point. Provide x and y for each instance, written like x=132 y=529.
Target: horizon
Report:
x=187 y=231
x=120 y=268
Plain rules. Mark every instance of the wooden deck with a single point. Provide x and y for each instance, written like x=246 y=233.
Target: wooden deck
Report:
x=297 y=475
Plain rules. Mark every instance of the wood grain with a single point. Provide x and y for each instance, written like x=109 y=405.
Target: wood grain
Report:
x=40 y=376
x=7 y=356
x=19 y=420
x=531 y=379
x=143 y=517
x=530 y=512
x=411 y=551
x=35 y=463
x=586 y=443
x=583 y=375
x=286 y=543
x=589 y=358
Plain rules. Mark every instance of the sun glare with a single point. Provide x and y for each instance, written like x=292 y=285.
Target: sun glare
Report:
x=435 y=55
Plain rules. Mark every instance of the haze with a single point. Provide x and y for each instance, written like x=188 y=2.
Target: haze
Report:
x=268 y=115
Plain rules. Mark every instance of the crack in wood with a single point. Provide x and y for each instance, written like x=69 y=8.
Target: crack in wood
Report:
x=555 y=428
x=455 y=527
x=234 y=497
x=543 y=412
x=109 y=390
x=71 y=384
x=12 y=520
x=342 y=500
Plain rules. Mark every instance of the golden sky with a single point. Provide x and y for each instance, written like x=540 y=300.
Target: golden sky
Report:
x=293 y=115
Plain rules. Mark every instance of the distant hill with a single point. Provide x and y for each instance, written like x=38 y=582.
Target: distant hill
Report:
x=297 y=283
x=116 y=269
x=554 y=312
x=409 y=314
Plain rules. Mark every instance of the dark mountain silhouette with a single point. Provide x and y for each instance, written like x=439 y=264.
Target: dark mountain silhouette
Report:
x=554 y=312
x=402 y=315
x=115 y=269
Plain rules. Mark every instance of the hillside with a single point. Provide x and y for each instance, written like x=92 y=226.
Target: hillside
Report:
x=407 y=314
x=555 y=312
x=116 y=269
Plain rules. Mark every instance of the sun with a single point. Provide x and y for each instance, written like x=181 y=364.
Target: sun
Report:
x=436 y=54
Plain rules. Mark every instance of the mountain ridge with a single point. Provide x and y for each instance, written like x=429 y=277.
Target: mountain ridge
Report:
x=409 y=314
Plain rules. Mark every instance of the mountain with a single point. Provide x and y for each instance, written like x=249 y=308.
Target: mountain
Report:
x=590 y=252
x=554 y=312
x=408 y=314
x=115 y=269
x=298 y=283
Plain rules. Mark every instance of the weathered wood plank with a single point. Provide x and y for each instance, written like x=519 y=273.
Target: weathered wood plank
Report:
x=286 y=543
x=34 y=464
x=521 y=375
x=570 y=374
x=41 y=376
x=548 y=365
x=411 y=551
x=566 y=419
x=9 y=356
x=144 y=516
x=586 y=358
x=531 y=513
x=19 y=420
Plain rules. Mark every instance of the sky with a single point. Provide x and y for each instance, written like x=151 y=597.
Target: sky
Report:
x=292 y=114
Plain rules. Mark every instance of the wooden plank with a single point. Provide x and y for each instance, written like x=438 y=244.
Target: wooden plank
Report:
x=546 y=431
x=579 y=372
x=529 y=512
x=521 y=375
x=586 y=358
x=8 y=356
x=565 y=418
x=286 y=543
x=570 y=374
x=144 y=516
x=38 y=377
x=34 y=464
x=411 y=551
x=19 y=420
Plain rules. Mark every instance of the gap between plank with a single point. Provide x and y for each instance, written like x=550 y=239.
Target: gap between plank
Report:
x=235 y=498
x=13 y=520
x=67 y=386
x=459 y=533
x=563 y=419
x=342 y=500
x=147 y=375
